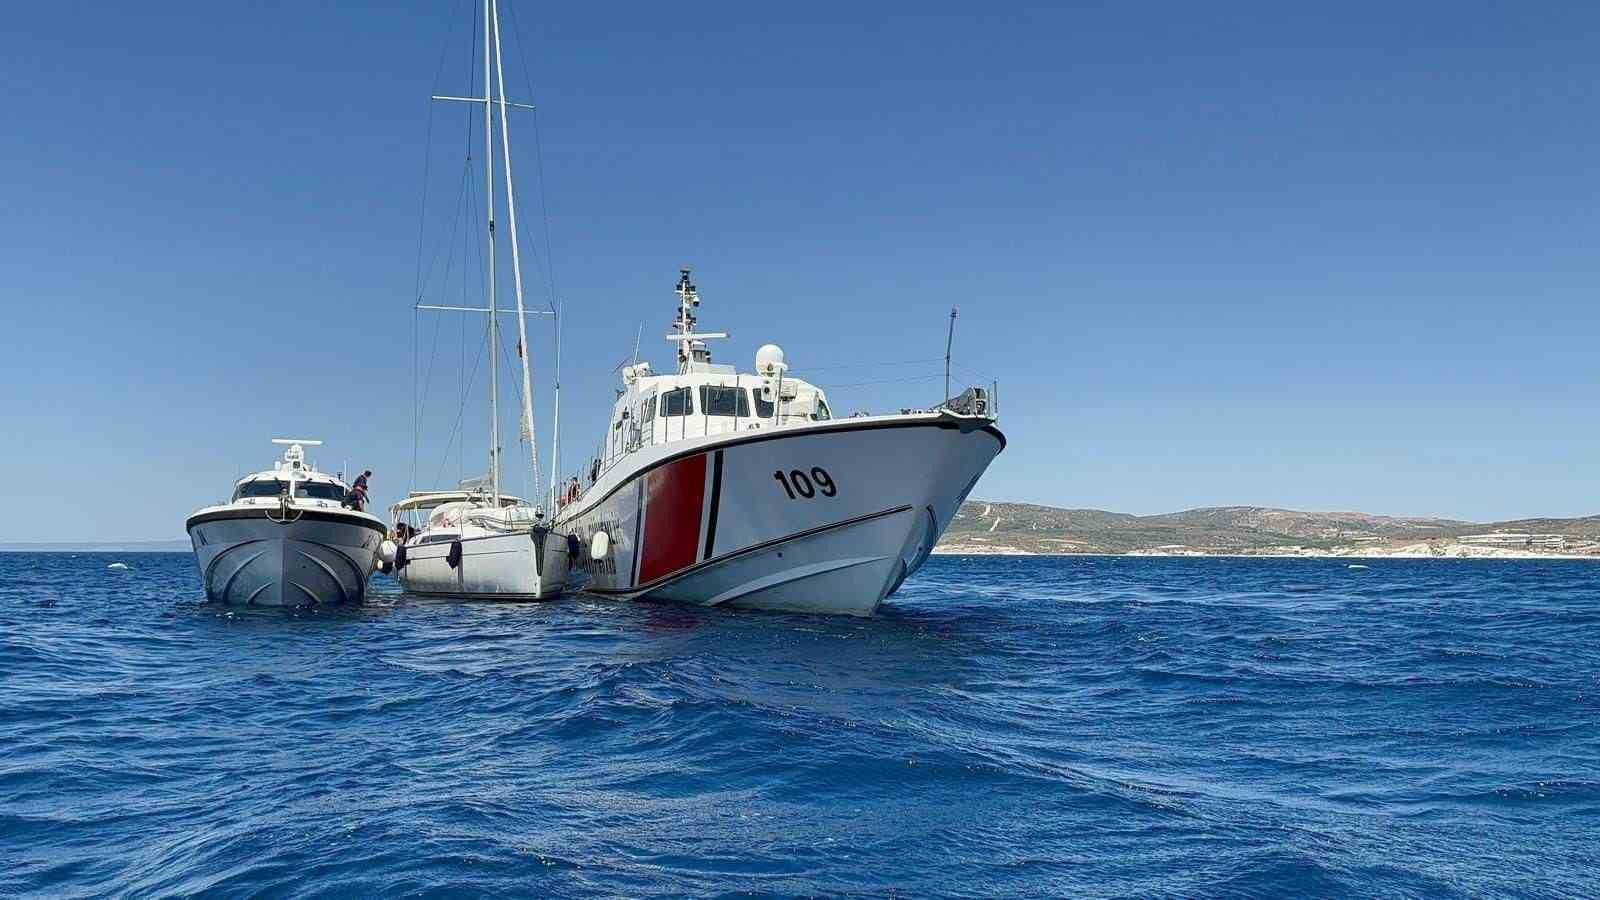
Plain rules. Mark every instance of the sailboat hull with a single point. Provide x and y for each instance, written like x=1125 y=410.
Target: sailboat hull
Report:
x=247 y=558
x=515 y=566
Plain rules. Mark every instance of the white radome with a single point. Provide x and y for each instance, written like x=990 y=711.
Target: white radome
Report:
x=769 y=360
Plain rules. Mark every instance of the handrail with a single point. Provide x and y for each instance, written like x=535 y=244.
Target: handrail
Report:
x=610 y=453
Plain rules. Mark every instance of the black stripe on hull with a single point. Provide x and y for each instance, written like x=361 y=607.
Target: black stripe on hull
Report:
x=716 y=500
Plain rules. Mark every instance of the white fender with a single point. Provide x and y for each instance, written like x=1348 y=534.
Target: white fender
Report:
x=600 y=545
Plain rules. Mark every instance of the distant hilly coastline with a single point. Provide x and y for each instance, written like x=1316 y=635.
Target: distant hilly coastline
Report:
x=1025 y=528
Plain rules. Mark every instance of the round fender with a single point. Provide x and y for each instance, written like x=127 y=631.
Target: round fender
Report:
x=599 y=545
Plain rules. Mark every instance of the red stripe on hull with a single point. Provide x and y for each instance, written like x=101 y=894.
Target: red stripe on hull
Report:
x=674 y=497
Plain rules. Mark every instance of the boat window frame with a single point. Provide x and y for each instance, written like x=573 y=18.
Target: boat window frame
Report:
x=337 y=493
x=279 y=486
x=688 y=403
x=741 y=403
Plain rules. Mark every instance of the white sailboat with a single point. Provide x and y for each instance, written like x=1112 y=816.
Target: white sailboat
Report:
x=723 y=488
x=478 y=541
x=285 y=538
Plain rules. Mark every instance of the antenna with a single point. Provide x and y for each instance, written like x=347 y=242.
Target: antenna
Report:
x=948 y=341
x=685 y=336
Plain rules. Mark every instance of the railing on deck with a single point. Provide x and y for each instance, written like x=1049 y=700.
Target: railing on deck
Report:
x=636 y=436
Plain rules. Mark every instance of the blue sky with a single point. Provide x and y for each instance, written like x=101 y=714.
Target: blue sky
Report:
x=1336 y=256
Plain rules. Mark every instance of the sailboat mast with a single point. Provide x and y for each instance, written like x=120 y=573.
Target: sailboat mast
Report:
x=494 y=316
x=516 y=251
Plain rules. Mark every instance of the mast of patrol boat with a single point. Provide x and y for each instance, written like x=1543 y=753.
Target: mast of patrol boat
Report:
x=691 y=345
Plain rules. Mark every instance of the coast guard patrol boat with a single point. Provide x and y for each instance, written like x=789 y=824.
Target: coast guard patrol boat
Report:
x=285 y=538
x=719 y=487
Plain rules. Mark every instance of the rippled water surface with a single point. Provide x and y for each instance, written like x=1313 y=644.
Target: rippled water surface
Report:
x=1079 y=726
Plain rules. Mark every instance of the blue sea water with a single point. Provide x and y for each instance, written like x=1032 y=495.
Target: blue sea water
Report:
x=1007 y=726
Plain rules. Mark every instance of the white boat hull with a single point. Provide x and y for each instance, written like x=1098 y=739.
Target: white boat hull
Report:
x=321 y=557
x=730 y=521
x=511 y=566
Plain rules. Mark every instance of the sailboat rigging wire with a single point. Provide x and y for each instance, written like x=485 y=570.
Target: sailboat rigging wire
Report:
x=538 y=155
x=419 y=385
x=875 y=365
x=550 y=253
x=422 y=231
x=427 y=160
x=890 y=381
x=421 y=393
x=516 y=249
x=460 y=414
x=425 y=276
x=973 y=374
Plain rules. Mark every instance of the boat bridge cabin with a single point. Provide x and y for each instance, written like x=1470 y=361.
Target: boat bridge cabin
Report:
x=705 y=399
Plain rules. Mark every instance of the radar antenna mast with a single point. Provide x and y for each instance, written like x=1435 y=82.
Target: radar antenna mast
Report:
x=691 y=344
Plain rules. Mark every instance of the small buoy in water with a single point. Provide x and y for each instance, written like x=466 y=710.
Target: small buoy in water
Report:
x=117 y=566
x=1355 y=566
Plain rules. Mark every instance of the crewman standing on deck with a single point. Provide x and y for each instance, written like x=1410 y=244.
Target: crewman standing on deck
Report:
x=357 y=500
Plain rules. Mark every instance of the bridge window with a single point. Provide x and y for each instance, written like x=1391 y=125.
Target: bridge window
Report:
x=822 y=413
x=723 y=401
x=676 y=403
x=763 y=407
x=316 y=490
x=262 y=488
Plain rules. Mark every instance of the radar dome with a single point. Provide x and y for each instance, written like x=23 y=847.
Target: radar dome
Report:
x=769 y=360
